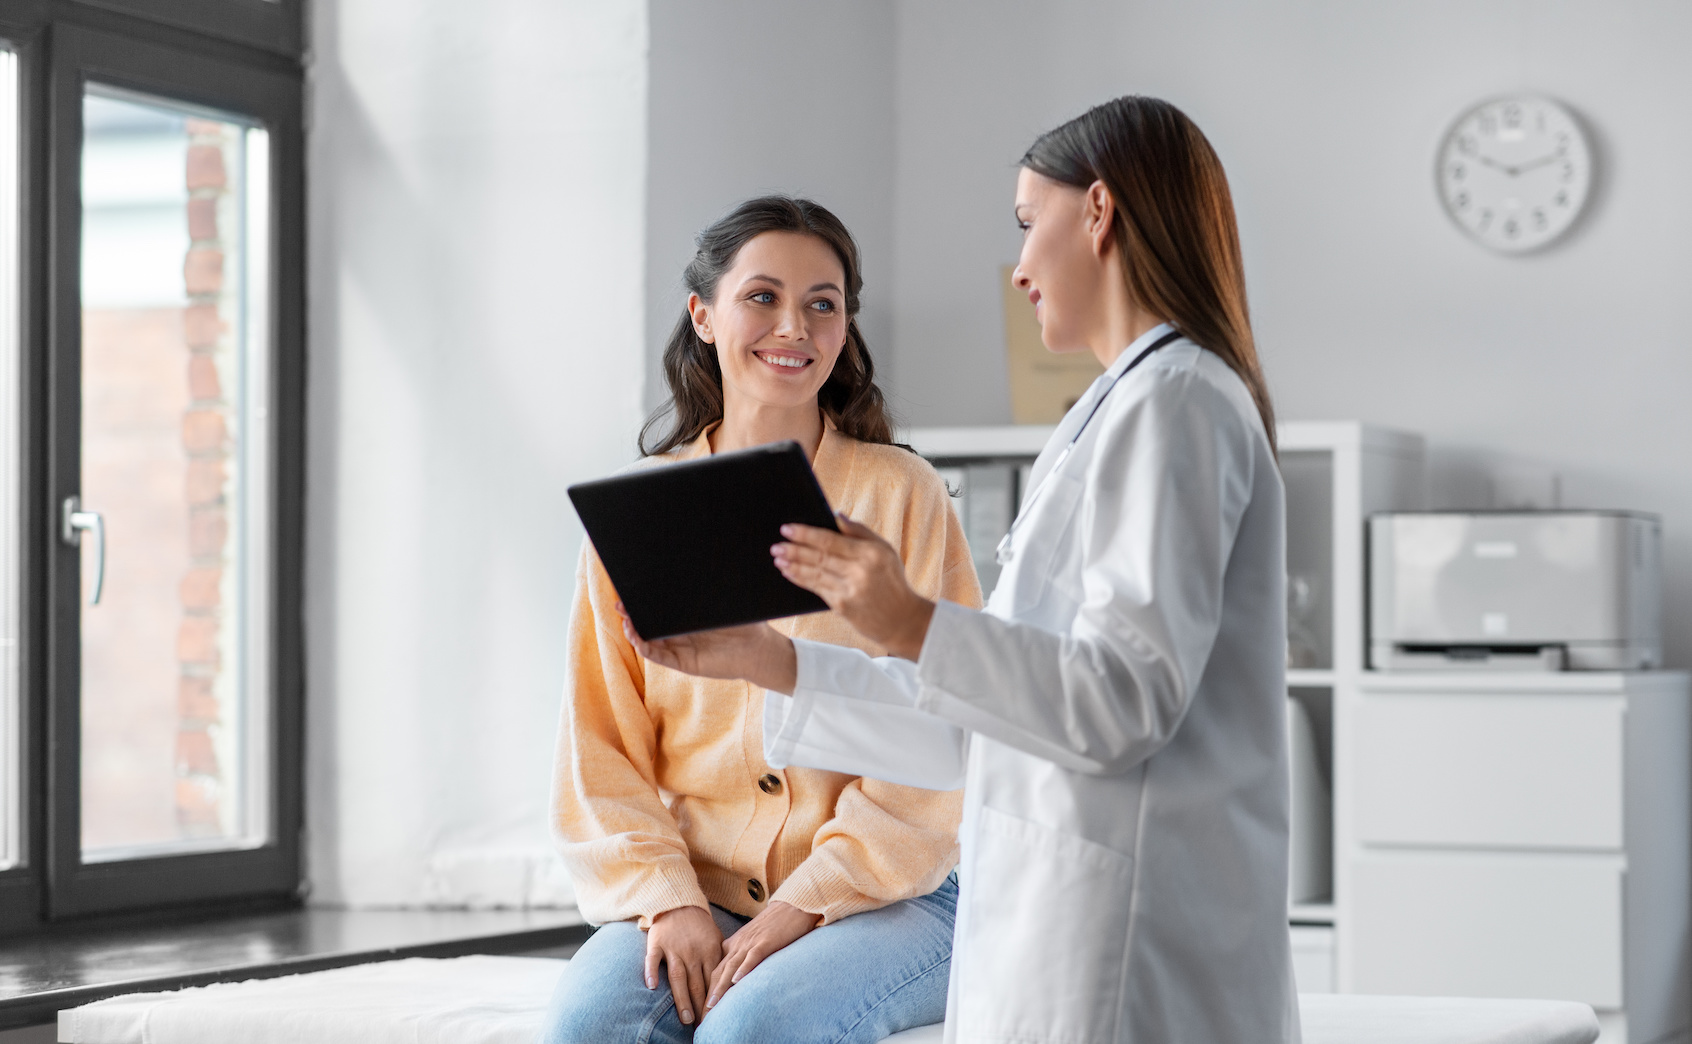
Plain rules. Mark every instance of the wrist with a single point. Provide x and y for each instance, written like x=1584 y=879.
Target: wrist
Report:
x=778 y=666
x=913 y=631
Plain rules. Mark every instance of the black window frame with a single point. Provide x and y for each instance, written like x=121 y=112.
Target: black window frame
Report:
x=61 y=45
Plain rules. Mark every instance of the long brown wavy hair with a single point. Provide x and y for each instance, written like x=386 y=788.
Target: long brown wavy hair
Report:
x=849 y=397
x=1175 y=222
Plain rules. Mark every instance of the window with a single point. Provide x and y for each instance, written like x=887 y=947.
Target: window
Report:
x=150 y=419
x=175 y=472
x=11 y=430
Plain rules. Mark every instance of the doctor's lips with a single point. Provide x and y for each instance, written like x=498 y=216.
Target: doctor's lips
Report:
x=1034 y=299
x=794 y=361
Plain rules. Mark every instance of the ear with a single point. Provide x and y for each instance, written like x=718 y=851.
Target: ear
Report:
x=1100 y=216
x=700 y=313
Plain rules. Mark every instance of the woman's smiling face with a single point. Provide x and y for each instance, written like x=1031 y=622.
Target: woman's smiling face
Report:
x=778 y=321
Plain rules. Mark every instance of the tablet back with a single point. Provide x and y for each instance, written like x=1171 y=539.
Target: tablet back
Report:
x=687 y=545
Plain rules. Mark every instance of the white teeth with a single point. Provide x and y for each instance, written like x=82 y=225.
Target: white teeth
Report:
x=784 y=360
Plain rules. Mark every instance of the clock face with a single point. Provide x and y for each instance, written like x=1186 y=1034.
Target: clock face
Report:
x=1514 y=172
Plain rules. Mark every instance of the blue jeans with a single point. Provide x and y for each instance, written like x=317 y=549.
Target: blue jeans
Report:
x=860 y=979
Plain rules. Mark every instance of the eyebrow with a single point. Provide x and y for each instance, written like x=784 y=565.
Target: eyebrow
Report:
x=777 y=282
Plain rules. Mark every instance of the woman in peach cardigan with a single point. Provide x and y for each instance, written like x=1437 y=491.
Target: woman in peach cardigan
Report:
x=739 y=902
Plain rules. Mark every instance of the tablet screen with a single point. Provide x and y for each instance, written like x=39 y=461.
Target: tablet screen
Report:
x=687 y=545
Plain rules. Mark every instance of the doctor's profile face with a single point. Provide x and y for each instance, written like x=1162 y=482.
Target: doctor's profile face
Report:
x=778 y=321
x=1059 y=268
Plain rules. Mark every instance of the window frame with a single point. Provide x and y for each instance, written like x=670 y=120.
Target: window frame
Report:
x=61 y=46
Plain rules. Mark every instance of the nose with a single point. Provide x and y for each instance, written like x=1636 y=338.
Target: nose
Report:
x=791 y=322
x=1018 y=279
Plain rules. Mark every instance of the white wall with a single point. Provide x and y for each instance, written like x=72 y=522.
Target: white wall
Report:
x=1367 y=302
x=755 y=96
x=476 y=236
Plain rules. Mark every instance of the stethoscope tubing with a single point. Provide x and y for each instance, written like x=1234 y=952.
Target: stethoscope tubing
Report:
x=1003 y=554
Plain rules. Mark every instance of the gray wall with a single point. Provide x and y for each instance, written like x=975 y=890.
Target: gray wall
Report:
x=476 y=327
x=755 y=96
x=1367 y=302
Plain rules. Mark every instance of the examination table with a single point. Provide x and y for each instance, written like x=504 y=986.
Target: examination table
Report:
x=500 y=1000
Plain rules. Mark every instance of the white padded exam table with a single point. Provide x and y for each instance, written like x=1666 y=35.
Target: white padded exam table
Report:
x=500 y=1000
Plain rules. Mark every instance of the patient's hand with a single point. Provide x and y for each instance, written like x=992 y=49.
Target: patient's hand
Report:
x=756 y=652
x=780 y=924
x=687 y=941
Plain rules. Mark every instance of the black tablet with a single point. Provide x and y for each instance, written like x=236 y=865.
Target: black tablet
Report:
x=688 y=545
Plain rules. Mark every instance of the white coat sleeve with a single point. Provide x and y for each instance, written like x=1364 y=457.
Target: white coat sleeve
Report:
x=853 y=714
x=1166 y=488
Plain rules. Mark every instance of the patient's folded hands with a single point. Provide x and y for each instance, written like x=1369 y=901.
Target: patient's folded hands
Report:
x=778 y=925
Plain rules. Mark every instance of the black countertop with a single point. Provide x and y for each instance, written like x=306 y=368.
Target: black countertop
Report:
x=65 y=967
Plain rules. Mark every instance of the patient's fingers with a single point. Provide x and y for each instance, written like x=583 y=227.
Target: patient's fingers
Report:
x=653 y=957
x=697 y=978
x=723 y=978
x=679 y=989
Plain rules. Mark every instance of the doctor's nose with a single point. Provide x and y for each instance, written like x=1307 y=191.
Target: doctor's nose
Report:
x=1018 y=279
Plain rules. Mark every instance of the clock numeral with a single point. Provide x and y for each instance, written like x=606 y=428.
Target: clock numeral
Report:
x=1458 y=171
x=1568 y=171
x=1466 y=145
x=1485 y=219
x=1513 y=116
x=1539 y=222
x=1511 y=228
x=1562 y=140
x=1561 y=199
x=1460 y=201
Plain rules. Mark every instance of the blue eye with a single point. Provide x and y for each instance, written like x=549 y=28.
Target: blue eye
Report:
x=827 y=306
x=763 y=297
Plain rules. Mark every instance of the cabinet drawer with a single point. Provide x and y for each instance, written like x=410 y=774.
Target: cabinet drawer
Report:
x=1489 y=925
x=1493 y=770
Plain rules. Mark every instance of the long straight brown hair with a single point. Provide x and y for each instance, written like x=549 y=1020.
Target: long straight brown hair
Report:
x=849 y=398
x=1175 y=222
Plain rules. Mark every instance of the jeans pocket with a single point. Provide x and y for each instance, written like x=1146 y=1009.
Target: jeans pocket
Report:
x=1048 y=934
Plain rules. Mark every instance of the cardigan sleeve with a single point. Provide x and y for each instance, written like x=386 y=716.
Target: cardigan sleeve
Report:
x=888 y=842
x=625 y=854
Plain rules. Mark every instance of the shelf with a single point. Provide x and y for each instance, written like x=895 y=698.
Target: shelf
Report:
x=1311 y=913
x=1001 y=440
x=1303 y=677
x=1535 y=682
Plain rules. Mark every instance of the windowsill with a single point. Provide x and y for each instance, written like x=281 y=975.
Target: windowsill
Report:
x=73 y=965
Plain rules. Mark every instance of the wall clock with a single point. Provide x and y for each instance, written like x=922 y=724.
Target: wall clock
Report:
x=1514 y=172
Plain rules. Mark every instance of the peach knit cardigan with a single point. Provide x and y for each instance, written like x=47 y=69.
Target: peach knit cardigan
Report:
x=657 y=801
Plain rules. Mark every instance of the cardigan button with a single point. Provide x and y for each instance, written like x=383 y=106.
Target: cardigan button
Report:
x=769 y=783
x=755 y=889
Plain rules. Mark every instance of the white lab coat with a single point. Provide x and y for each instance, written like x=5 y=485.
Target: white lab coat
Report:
x=1117 y=717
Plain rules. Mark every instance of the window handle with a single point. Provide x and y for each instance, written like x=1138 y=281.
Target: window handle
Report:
x=73 y=521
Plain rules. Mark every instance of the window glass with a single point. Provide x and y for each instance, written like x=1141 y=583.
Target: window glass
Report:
x=10 y=466
x=175 y=458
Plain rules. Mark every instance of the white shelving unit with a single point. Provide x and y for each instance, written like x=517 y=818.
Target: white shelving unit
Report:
x=1336 y=474
x=1524 y=834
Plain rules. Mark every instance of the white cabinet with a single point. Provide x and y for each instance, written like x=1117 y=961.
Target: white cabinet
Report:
x=1522 y=835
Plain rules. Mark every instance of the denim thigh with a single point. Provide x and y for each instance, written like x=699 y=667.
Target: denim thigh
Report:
x=602 y=997
x=860 y=979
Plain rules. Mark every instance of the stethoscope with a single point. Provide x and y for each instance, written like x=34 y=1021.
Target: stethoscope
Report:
x=1003 y=554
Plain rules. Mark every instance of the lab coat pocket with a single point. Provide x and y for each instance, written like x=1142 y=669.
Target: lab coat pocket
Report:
x=1048 y=935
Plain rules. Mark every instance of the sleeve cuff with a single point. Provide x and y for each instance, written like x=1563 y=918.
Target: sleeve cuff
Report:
x=826 y=895
x=664 y=890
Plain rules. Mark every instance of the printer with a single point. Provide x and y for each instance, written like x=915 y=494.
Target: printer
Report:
x=1515 y=590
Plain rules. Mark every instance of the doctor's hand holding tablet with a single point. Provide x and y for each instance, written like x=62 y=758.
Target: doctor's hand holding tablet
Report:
x=1116 y=713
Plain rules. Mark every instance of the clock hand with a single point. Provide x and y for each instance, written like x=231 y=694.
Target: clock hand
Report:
x=1541 y=162
x=1489 y=161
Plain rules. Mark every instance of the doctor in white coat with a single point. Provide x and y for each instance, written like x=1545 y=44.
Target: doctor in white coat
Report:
x=1117 y=711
